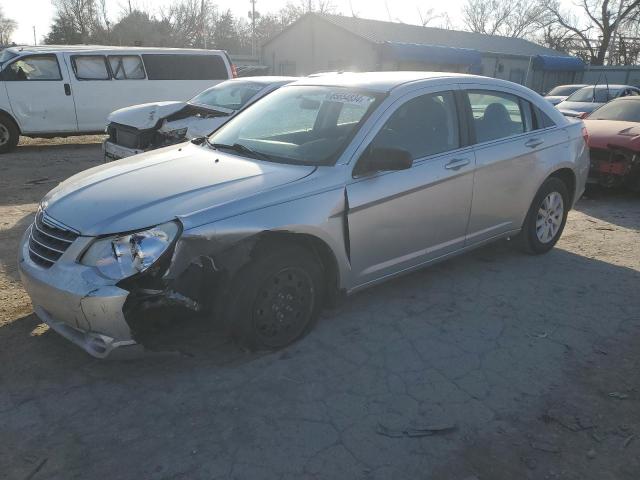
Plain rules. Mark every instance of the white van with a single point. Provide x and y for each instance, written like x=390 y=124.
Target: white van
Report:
x=50 y=91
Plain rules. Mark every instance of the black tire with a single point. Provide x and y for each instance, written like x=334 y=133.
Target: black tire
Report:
x=275 y=299
x=529 y=238
x=9 y=134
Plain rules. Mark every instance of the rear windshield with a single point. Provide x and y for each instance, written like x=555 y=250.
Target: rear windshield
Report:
x=185 y=67
x=598 y=95
x=623 y=110
x=563 y=90
x=232 y=95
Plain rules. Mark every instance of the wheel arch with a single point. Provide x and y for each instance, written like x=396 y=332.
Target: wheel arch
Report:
x=313 y=244
x=7 y=114
x=568 y=177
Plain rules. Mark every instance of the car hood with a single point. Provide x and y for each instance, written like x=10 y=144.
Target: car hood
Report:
x=555 y=99
x=158 y=186
x=579 y=107
x=196 y=126
x=605 y=133
x=145 y=115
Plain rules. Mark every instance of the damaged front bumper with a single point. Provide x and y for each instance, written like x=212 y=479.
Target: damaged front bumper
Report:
x=76 y=302
x=113 y=152
x=615 y=166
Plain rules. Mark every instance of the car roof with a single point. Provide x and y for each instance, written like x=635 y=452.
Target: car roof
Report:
x=580 y=85
x=611 y=86
x=92 y=48
x=265 y=79
x=382 y=82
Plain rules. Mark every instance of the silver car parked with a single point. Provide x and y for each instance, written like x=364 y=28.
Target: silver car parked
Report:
x=326 y=186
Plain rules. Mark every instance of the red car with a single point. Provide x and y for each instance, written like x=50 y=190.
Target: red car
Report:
x=614 y=141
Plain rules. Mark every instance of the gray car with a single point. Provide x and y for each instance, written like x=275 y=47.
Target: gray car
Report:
x=327 y=186
x=586 y=100
x=561 y=93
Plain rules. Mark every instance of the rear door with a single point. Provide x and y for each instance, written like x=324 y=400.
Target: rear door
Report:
x=40 y=95
x=401 y=219
x=513 y=153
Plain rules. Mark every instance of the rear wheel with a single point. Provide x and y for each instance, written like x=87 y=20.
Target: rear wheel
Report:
x=9 y=134
x=546 y=218
x=275 y=299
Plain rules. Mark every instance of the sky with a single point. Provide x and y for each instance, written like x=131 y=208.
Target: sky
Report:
x=39 y=13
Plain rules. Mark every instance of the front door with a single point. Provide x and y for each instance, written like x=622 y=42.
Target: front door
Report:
x=401 y=219
x=40 y=94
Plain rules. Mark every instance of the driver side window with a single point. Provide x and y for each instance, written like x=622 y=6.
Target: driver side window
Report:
x=35 y=67
x=425 y=125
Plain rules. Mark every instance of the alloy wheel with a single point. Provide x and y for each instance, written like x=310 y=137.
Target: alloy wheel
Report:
x=4 y=134
x=550 y=216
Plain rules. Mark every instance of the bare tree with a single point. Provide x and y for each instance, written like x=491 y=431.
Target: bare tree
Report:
x=7 y=27
x=427 y=16
x=82 y=15
x=510 y=18
x=432 y=18
x=596 y=30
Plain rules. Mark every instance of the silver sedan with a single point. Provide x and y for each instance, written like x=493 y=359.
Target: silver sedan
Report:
x=327 y=186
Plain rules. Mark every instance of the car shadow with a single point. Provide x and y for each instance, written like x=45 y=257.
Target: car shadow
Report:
x=616 y=206
x=452 y=292
x=10 y=240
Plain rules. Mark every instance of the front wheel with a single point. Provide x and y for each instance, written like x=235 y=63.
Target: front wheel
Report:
x=275 y=299
x=9 y=134
x=546 y=218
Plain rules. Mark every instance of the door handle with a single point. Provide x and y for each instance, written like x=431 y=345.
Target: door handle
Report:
x=533 y=143
x=456 y=163
x=67 y=89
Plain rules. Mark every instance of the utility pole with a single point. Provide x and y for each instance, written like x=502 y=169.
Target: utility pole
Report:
x=252 y=15
x=202 y=24
x=35 y=42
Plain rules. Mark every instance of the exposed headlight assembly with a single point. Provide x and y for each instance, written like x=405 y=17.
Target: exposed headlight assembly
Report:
x=121 y=256
x=178 y=133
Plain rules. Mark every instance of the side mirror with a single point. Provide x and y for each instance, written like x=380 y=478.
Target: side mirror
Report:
x=383 y=159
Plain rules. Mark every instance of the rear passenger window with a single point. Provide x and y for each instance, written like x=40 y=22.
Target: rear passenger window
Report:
x=495 y=115
x=542 y=119
x=35 y=67
x=425 y=125
x=185 y=67
x=90 y=67
x=126 y=67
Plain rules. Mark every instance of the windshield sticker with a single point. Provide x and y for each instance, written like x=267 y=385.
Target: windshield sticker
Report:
x=349 y=98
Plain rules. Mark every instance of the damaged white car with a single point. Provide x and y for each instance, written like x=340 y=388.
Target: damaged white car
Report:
x=140 y=128
x=326 y=186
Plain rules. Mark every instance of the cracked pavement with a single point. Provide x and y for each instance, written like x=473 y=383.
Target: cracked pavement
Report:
x=520 y=353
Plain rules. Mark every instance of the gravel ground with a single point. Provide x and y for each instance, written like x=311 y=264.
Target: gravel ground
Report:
x=496 y=365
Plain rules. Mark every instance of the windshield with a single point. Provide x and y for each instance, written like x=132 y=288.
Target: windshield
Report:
x=229 y=95
x=563 y=90
x=308 y=125
x=586 y=94
x=623 y=110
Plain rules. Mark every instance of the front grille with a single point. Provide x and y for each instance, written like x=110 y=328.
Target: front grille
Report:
x=130 y=137
x=48 y=240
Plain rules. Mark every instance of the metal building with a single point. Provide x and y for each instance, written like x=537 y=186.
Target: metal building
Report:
x=320 y=42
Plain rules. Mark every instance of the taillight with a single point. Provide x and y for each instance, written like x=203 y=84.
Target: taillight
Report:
x=583 y=115
x=234 y=71
x=585 y=134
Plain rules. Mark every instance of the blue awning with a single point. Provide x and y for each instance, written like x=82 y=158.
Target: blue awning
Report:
x=430 y=54
x=552 y=63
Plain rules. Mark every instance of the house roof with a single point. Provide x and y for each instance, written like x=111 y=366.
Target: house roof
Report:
x=377 y=31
